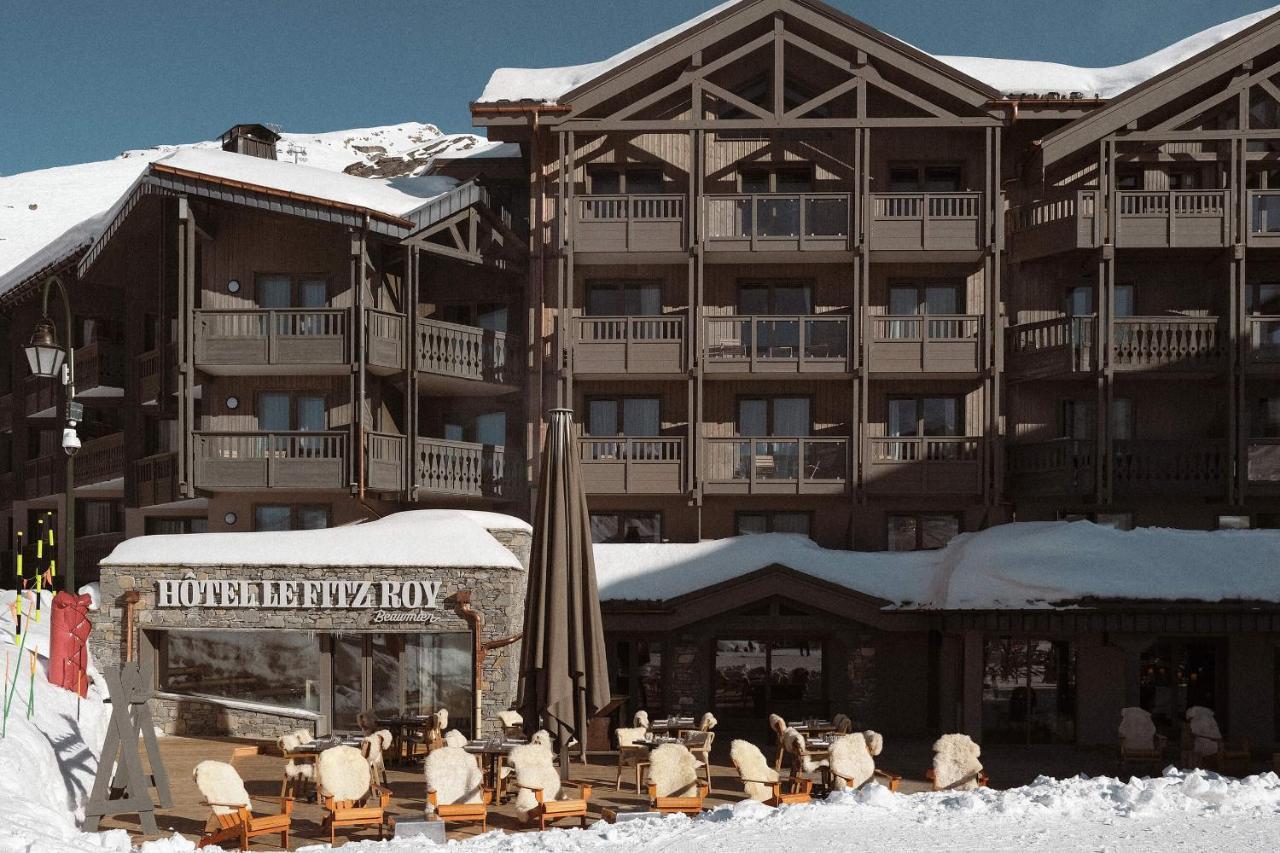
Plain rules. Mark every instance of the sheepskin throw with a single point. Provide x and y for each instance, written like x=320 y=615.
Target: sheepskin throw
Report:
x=708 y=722
x=542 y=738
x=955 y=762
x=510 y=718
x=442 y=719
x=453 y=737
x=754 y=770
x=222 y=786
x=777 y=725
x=532 y=763
x=454 y=776
x=630 y=737
x=372 y=746
x=1204 y=726
x=1137 y=731
x=641 y=719
x=851 y=758
x=342 y=773
x=674 y=771
x=794 y=743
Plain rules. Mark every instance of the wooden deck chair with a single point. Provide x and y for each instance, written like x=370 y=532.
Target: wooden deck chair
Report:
x=1209 y=749
x=232 y=822
x=349 y=799
x=631 y=754
x=1140 y=744
x=843 y=725
x=760 y=781
x=674 y=786
x=374 y=747
x=852 y=762
x=512 y=723
x=541 y=794
x=955 y=764
x=299 y=774
x=778 y=726
x=455 y=788
x=804 y=762
x=699 y=743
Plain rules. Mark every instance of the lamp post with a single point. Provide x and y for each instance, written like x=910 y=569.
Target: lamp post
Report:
x=49 y=360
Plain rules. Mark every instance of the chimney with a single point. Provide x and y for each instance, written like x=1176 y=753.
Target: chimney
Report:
x=255 y=140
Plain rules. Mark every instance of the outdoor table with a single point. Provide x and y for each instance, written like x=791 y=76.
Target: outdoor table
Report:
x=815 y=727
x=654 y=743
x=492 y=753
x=674 y=724
x=402 y=730
x=307 y=753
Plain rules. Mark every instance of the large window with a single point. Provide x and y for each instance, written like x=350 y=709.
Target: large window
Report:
x=482 y=428
x=1029 y=690
x=622 y=298
x=925 y=416
x=772 y=521
x=756 y=677
x=631 y=416
x=171 y=525
x=272 y=667
x=437 y=674
x=921 y=531
x=636 y=672
x=935 y=178
x=290 y=517
x=614 y=526
x=287 y=291
x=617 y=180
x=97 y=517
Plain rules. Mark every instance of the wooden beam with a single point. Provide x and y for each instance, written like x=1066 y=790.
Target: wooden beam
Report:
x=874 y=78
x=829 y=95
x=667 y=125
x=739 y=102
x=700 y=74
x=779 y=68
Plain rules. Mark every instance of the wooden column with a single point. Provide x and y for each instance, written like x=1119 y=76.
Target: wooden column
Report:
x=413 y=267
x=186 y=286
x=971 y=689
x=559 y=334
x=569 y=249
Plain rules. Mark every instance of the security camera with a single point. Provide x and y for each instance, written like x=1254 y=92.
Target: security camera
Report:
x=70 y=441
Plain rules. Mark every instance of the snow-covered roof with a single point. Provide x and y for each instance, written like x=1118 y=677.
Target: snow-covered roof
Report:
x=1027 y=565
x=1009 y=76
x=431 y=538
x=482 y=151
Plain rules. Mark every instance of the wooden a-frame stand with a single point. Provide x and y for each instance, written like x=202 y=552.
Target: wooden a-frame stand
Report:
x=121 y=786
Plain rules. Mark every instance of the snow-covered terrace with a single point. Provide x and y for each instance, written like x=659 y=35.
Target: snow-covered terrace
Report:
x=1022 y=566
x=1023 y=78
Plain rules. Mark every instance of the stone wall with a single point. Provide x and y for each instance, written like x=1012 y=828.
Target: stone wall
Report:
x=497 y=593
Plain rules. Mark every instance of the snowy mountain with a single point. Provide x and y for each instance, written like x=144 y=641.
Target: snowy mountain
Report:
x=369 y=152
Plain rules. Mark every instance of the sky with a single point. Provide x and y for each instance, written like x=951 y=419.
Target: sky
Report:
x=84 y=80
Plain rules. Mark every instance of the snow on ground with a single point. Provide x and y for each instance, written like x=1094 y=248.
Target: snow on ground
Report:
x=1020 y=565
x=1010 y=76
x=439 y=538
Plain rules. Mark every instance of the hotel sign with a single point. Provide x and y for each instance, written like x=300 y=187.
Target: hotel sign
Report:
x=392 y=601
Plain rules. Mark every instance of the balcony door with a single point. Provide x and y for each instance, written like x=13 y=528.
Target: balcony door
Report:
x=624 y=298
x=936 y=178
x=773 y=333
x=939 y=299
x=925 y=417
x=629 y=417
x=283 y=292
x=769 y=417
x=779 y=216
x=280 y=412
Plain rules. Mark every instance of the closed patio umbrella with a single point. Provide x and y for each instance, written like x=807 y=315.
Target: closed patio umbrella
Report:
x=563 y=677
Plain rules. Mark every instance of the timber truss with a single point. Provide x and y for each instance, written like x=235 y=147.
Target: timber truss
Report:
x=780 y=64
x=465 y=226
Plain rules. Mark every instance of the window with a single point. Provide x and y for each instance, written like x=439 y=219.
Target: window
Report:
x=750 y=523
x=1233 y=522
x=611 y=527
x=1183 y=180
x=776 y=179
x=1122 y=421
x=774 y=416
x=636 y=672
x=1028 y=690
x=775 y=297
x=1129 y=180
x=290 y=517
x=276 y=290
x=937 y=178
x=97 y=517
x=629 y=180
x=937 y=298
x=631 y=416
x=492 y=316
x=755 y=676
x=161 y=525
x=280 y=411
x=1114 y=520
x=274 y=667
x=488 y=428
x=925 y=416
x=1077 y=420
x=624 y=298
x=921 y=531
x=1263 y=297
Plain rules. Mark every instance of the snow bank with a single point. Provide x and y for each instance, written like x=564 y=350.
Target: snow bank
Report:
x=1015 y=566
x=435 y=538
x=1010 y=76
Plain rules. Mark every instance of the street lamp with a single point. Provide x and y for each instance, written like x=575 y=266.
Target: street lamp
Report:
x=49 y=360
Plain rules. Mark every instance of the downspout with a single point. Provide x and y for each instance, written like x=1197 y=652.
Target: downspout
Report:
x=359 y=330
x=131 y=599
x=480 y=651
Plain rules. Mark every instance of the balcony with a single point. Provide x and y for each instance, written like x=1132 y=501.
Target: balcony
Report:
x=384 y=467
x=272 y=341
x=99 y=466
x=1062 y=467
x=907 y=346
x=775 y=466
x=6 y=412
x=801 y=222
x=913 y=222
x=155 y=479
x=1264 y=218
x=1062 y=222
x=229 y=461
x=629 y=345
x=629 y=223
x=384 y=341
x=1263 y=456
x=632 y=466
x=1065 y=346
x=923 y=465
x=40 y=396
x=1165 y=468
x=1057 y=347
x=778 y=344
x=1164 y=219
x=92 y=550
x=465 y=360
x=1264 y=342
x=466 y=469
x=99 y=370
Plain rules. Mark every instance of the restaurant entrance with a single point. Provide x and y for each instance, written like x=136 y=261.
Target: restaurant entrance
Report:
x=758 y=676
x=399 y=674
x=1177 y=674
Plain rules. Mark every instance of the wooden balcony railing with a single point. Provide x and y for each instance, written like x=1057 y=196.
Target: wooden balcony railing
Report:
x=464 y=468
x=262 y=460
x=99 y=365
x=1264 y=462
x=934 y=343
x=1168 y=218
x=1264 y=339
x=629 y=223
x=384 y=461
x=6 y=412
x=100 y=460
x=777 y=222
x=923 y=465
x=265 y=337
x=155 y=479
x=1158 y=343
x=1058 y=346
x=1063 y=221
x=773 y=465
x=1063 y=466
x=41 y=396
x=384 y=339
x=1170 y=467
x=926 y=221
x=466 y=352
x=792 y=343
x=92 y=550
x=629 y=344
x=631 y=465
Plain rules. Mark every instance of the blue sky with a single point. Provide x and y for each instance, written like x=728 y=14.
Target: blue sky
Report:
x=84 y=80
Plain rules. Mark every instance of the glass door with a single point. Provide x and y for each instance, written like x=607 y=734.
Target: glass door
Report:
x=756 y=677
x=348 y=681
